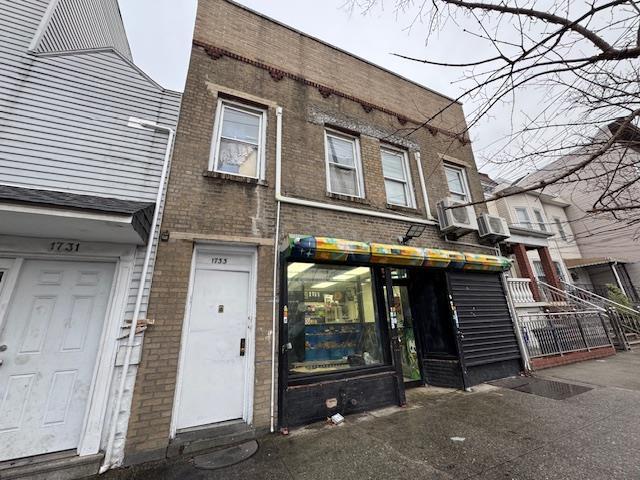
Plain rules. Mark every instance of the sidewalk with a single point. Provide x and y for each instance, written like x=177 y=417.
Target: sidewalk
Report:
x=491 y=433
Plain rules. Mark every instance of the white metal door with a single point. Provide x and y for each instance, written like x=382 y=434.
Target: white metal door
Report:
x=214 y=367
x=49 y=344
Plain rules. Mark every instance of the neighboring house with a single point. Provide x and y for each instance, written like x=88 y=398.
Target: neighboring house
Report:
x=78 y=190
x=297 y=168
x=539 y=222
x=559 y=320
x=539 y=228
x=610 y=247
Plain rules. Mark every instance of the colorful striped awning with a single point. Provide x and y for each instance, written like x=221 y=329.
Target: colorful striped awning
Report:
x=309 y=248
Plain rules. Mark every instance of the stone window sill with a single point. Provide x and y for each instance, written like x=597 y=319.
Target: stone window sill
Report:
x=235 y=178
x=348 y=198
x=400 y=208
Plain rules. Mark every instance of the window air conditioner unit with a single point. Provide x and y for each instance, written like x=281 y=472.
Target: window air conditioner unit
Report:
x=492 y=228
x=456 y=221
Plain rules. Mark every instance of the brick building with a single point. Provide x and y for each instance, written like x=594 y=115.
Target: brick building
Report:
x=286 y=144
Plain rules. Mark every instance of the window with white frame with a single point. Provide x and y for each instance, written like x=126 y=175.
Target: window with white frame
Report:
x=560 y=228
x=457 y=181
x=522 y=215
x=238 y=146
x=539 y=271
x=344 y=171
x=542 y=225
x=397 y=177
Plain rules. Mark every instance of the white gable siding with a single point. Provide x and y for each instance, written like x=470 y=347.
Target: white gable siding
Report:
x=94 y=25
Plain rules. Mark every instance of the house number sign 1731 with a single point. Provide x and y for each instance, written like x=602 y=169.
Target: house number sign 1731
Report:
x=64 y=246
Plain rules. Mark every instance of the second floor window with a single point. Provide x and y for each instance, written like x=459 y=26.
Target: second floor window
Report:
x=542 y=225
x=344 y=172
x=560 y=228
x=397 y=180
x=523 y=218
x=238 y=146
x=457 y=181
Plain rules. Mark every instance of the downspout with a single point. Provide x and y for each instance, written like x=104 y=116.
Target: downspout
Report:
x=275 y=267
x=423 y=185
x=618 y=280
x=137 y=123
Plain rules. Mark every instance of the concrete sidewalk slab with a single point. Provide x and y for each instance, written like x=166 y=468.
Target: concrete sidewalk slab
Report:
x=490 y=433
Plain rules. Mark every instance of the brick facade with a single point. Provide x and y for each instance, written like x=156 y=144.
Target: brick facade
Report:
x=212 y=207
x=573 y=357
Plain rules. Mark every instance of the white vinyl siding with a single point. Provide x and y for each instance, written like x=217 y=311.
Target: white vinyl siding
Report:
x=238 y=146
x=64 y=126
x=344 y=171
x=397 y=177
x=457 y=182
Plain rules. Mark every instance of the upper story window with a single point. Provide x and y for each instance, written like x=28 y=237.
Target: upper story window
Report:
x=540 y=222
x=560 y=228
x=238 y=146
x=457 y=181
x=397 y=177
x=522 y=215
x=344 y=171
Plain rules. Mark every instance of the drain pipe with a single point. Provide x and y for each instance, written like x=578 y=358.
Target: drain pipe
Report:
x=143 y=124
x=275 y=267
x=617 y=275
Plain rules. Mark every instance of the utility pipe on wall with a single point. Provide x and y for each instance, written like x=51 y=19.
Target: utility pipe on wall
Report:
x=144 y=124
x=275 y=271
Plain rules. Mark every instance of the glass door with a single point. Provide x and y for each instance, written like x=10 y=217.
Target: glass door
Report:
x=406 y=328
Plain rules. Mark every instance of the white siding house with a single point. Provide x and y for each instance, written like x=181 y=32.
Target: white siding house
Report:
x=78 y=186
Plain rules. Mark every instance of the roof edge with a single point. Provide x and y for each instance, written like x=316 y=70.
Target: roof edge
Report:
x=338 y=49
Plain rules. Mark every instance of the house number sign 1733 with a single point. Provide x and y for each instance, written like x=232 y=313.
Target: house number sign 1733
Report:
x=64 y=246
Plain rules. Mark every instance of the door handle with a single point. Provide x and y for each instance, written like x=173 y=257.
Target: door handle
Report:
x=242 y=346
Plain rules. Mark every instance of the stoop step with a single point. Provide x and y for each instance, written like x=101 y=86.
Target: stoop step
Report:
x=54 y=466
x=194 y=441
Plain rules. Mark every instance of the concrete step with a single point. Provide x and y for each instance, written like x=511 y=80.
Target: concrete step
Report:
x=227 y=434
x=54 y=466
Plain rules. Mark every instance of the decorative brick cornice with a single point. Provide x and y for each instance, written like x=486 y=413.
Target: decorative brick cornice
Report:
x=278 y=74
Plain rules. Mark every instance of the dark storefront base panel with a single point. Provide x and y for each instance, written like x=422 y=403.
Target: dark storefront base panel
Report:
x=442 y=372
x=493 y=371
x=308 y=403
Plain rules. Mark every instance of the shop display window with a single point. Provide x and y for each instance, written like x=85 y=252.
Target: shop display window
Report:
x=332 y=318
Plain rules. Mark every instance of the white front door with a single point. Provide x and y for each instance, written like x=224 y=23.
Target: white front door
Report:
x=49 y=344
x=214 y=365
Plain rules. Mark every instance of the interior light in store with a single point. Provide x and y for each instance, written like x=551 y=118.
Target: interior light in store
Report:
x=349 y=274
x=296 y=268
x=321 y=285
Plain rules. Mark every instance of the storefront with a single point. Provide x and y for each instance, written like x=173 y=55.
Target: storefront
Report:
x=362 y=322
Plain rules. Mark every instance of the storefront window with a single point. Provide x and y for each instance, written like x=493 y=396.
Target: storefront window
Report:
x=332 y=318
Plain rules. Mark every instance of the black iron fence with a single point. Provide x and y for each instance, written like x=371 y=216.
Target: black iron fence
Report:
x=558 y=333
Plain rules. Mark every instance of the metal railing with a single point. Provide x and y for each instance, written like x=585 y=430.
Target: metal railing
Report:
x=555 y=295
x=601 y=300
x=559 y=333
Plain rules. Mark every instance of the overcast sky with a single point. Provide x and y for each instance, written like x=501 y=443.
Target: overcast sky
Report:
x=160 y=33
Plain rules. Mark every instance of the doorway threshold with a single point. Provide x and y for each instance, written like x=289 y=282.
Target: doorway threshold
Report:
x=65 y=465
x=195 y=440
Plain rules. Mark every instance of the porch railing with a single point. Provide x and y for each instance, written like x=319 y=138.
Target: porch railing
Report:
x=559 y=333
x=520 y=289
